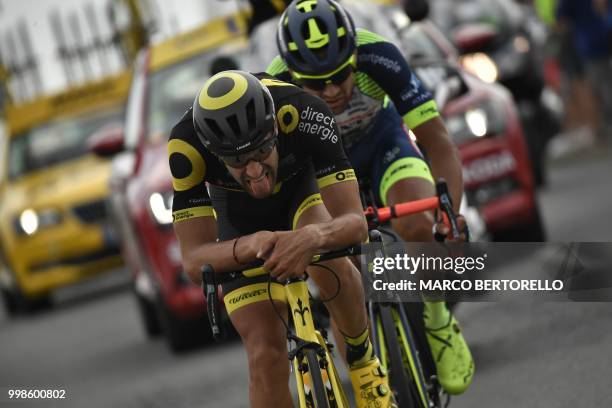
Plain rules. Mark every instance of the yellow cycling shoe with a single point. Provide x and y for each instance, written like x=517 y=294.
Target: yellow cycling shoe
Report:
x=452 y=356
x=371 y=386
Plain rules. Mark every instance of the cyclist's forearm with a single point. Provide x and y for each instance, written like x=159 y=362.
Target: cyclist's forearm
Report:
x=341 y=232
x=218 y=254
x=444 y=162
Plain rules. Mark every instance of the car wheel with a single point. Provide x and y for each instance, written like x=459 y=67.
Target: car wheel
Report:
x=35 y=305
x=182 y=334
x=535 y=231
x=532 y=232
x=10 y=302
x=149 y=316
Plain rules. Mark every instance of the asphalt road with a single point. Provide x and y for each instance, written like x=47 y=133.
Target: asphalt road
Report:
x=527 y=354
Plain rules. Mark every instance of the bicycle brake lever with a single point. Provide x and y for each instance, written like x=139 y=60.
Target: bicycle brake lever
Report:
x=209 y=287
x=446 y=205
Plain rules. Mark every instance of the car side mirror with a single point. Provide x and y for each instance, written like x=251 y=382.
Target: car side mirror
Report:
x=473 y=37
x=107 y=141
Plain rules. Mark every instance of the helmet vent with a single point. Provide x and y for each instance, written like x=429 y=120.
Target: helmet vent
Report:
x=232 y=121
x=307 y=8
x=212 y=124
x=250 y=114
x=267 y=107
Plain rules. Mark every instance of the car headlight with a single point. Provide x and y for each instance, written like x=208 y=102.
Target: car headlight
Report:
x=161 y=207
x=521 y=44
x=30 y=221
x=476 y=120
x=487 y=118
x=480 y=65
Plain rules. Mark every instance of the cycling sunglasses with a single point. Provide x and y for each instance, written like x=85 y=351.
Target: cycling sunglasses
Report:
x=259 y=155
x=337 y=77
x=318 y=84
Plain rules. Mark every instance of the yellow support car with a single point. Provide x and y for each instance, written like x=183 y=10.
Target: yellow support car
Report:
x=54 y=228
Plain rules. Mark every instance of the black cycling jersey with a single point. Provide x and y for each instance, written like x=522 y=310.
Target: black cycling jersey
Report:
x=308 y=140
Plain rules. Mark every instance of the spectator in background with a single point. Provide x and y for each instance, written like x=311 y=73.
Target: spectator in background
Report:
x=416 y=10
x=581 y=117
x=223 y=63
x=590 y=23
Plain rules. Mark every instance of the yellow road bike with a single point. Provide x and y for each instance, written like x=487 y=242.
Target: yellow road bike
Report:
x=394 y=329
x=317 y=382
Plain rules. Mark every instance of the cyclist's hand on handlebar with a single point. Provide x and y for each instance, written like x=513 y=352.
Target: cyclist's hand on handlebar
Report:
x=261 y=243
x=292 y=253
x=443 y=233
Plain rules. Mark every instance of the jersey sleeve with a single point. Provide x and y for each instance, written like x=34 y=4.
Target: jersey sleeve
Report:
x=320 y=139
x=277 y=68
x=383 y=62
x=188 y=169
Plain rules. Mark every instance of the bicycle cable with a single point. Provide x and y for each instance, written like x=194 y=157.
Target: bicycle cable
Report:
x=278 y=314
x=389 y=234
x=288 y=330
x=338 y=284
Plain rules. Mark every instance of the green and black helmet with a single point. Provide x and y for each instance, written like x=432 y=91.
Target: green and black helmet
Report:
x=233 y=114
x=315 y=37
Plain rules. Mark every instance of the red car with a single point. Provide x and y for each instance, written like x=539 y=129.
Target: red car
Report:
x=483 y=121
x=166 y=79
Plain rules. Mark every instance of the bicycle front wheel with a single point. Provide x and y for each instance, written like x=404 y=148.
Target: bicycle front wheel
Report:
x=319 y=392
x=401 y=381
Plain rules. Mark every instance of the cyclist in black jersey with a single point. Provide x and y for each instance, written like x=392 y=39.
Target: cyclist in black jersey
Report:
x=376 y=99
x=252 y=163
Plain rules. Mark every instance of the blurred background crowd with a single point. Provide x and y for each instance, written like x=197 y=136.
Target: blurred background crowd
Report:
x=89 y=91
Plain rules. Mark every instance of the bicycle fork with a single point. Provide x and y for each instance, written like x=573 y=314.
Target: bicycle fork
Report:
x=308 y=338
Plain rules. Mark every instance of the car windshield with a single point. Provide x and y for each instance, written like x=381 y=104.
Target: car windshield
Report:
x=448 y=14
x=173 y=89
x=417 y=45
x=55 y=142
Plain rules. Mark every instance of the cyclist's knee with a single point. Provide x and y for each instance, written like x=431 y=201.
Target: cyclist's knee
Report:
x=268 y=365
x=415 y=228
x=346 y=277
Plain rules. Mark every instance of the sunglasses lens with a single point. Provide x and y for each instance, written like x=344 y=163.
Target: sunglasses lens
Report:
x=341 y=76
x=258 y=155
x=319 y=84
x=316 y=84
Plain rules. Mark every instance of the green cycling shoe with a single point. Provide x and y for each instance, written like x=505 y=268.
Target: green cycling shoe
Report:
x=452 y=356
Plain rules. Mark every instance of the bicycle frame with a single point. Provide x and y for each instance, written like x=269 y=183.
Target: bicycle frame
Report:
x=390 y=319
x=399 y=330
x=306 y=336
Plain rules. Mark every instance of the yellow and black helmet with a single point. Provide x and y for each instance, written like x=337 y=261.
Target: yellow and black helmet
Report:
x=233 y=113
x=315 y=37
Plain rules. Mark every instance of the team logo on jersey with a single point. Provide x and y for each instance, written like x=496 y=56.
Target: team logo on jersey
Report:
x=377 y=59
x=317 y=123
x=288 y=118
x=187 y=165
